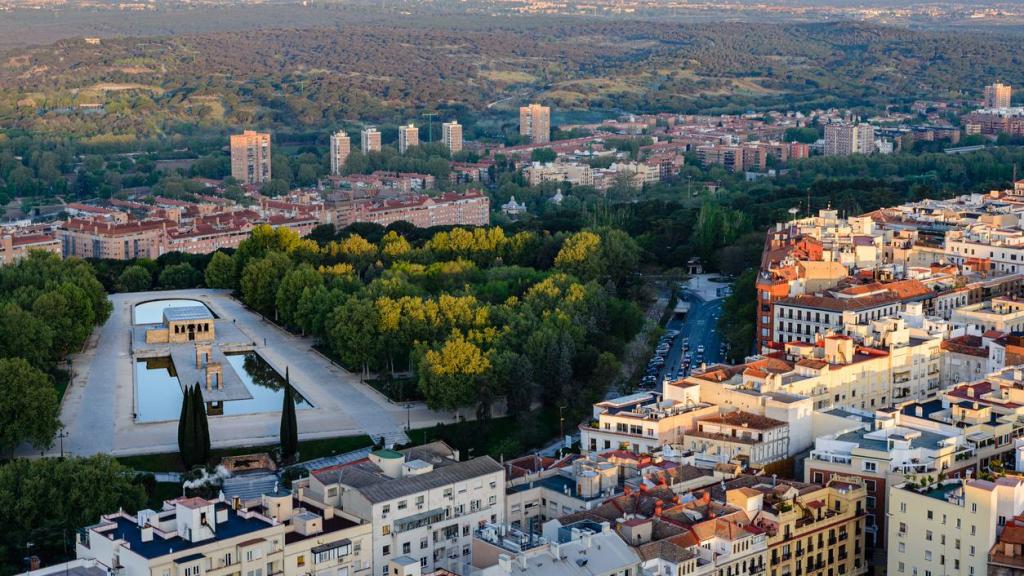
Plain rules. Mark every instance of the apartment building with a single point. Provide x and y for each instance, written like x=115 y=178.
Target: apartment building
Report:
x=563 y=489
x=535 y=123
x=643 y=422
x=806 y=318
x=341 y=147
x=812 y=528
x=369 y=140
x=408 y=136
x=421 y=502
x=451 y=136
x=1006 y=557
x=96 y=239
x=572 y=173
x=470 y=208
x=949 y=527
x=274 y=534
x=637 y=174
x=997 y=95
x=844 y=139
x=1000 y=314
x=250 y=157
x=751 y=440
x=585 y=545
x=15 y=246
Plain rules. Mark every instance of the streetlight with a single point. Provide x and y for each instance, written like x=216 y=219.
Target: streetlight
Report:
x=62 y=435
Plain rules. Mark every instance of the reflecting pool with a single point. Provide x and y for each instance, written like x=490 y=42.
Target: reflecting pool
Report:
x=153 y=312
x=159 y=395
x=158 y=391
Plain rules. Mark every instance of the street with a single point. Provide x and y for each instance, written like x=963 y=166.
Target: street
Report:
x=699 y=327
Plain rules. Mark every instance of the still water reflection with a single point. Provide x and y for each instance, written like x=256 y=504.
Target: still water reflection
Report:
x=159 y=392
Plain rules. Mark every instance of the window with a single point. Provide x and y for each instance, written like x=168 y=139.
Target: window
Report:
x=387 y=550
x=930 y=515
x=870 y=466
x=386 y=509
x=301 y=560
x=406 y=548
x=928 y=535
x=902 y=547
x=903 y=507
x=402 y=505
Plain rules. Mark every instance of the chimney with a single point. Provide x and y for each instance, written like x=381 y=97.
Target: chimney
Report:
x=147 y=533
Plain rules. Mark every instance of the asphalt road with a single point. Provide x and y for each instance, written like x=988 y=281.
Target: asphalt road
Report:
x=700 y=327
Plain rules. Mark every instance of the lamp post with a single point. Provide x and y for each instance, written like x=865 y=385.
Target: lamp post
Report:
x=61 y=436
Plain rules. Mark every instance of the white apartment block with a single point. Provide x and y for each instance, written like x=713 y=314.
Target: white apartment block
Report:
x=421 y=502
x=949 y=527
x=643 y=422
x=1001 y=314
x=275 y=534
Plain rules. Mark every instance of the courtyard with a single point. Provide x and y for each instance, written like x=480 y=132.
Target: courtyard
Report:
x=125 y=392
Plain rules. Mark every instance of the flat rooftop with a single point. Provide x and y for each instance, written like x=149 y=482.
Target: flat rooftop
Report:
x=185 y=313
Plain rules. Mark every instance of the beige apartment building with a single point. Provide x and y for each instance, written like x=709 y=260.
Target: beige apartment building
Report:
x=948 y=527
x=14 y=247
x=750 y=439
x=535 y=123
x=812 y=528
x=341 y=147
x=643 y=422
x=93 y=239
x=369 y=140
x=451 y=135
x=250 y=157
x=408 y=136
x=997 y=95
x=575 y=174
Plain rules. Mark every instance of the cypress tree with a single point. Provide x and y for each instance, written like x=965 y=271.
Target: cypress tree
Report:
x=289 y=425
x=202 y=426
x=185 y=439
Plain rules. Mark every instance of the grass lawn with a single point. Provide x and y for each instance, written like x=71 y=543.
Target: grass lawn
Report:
x=308 y=450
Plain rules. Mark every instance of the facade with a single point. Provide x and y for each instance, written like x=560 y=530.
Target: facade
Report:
x=14 y=247
x=250 y=157
x=276 y=533
x=469 y=208
x=408 y=136
x=369 y=140
x=93 y=239
x=949 y=527
x=451 y=136
x=642 y=422
x=585 y=544
x=535 y=123
x=1006 y=558
x=421 y=502
x=997 y=95
x=753 y=440
x=341 y=147
x=572 y=173
x=845 y=139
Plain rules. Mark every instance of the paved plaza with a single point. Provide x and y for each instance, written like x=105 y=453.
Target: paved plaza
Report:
x=97 y=410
